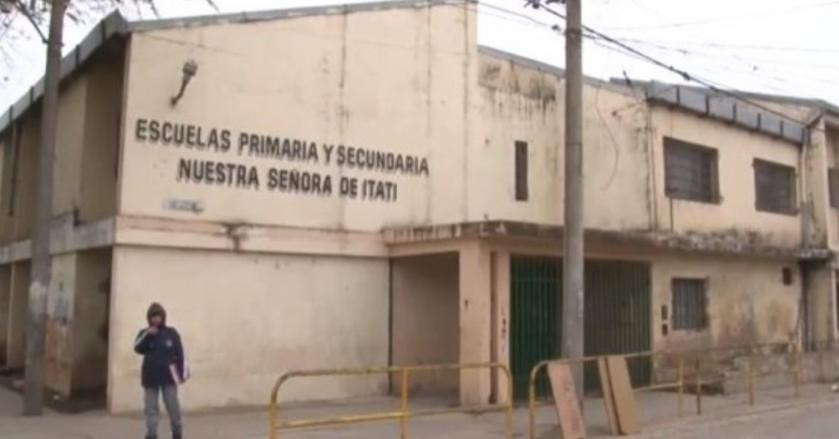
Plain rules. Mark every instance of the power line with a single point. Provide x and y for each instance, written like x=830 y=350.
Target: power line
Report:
x=722 y=19
x=687 y=76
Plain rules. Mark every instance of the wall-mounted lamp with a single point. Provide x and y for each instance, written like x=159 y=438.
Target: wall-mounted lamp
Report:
x=189 y=70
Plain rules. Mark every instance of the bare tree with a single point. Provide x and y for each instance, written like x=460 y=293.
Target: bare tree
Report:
x=37 y=12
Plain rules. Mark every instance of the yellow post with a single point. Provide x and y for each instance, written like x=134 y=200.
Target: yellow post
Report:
x=681 y=373
x=751 y=376
x=403 y=421
x=509 y=420
x=531 y=401
x=698 y=386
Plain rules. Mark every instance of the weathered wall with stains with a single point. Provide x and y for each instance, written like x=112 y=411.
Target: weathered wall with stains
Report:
x=426 y=319
x=736 y=215
x=295 y=312
x=521 y=102
x=90 y=321
x=18 y=311
x=747 y=301
x=60 y=310
x=399 y=81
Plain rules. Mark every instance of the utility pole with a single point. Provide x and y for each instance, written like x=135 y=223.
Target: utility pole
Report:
x=33 y=391
x=573 y=256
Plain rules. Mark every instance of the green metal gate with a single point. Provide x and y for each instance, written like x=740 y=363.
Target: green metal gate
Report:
x=534 y=283
x=617 y=320
x=617 y=317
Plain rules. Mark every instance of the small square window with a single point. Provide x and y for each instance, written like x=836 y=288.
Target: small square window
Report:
x=689 y=304
x=774 y=187
x=690 y=171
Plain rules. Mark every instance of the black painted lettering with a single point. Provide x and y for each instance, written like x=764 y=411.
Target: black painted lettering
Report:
x=141 y=128
x=327 y=185
x=423 y=167
x=272 y=179
x=184 y=170
x=390 y=161
x=231 y=169
x=179 y=136
x=327 y=149
x=210 y=178
x=190 y=135
x=399 y=166
x=313 y=152
x=273 y=146
x=154 y=131
x=253 y=178
x=341 y=155
x=199 y=140
x=225 y=140
x=241 y=176
x=220 y=176
x=254 y=145
x=284 y=179
x=409 y=164
x=351 y=156
x=243 y=141
x=212 y=139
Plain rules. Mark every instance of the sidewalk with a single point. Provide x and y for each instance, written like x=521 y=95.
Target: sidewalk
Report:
x=657 y=412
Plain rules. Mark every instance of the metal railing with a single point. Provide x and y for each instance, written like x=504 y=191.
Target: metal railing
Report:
x=682 y=382
x=404 y=414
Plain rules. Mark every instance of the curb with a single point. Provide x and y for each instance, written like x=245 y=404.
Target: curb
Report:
x=706 y=422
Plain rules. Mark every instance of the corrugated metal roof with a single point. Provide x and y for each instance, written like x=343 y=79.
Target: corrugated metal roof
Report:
x=115 y=24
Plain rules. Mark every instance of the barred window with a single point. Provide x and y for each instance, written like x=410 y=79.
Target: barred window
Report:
x=833 y=189
x=521 y=171
x=689 y=303
x=690 y=171
x=774 y=187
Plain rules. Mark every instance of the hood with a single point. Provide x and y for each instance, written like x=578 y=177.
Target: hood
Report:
x=156 y=309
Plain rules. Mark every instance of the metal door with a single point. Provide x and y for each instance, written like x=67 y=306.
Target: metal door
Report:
x=534 y=284
x=617 y=320
x=617 y=317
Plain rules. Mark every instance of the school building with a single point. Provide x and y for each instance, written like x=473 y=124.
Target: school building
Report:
x=366 y=185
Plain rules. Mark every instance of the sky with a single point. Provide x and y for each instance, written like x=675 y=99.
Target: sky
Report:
x=785 y=47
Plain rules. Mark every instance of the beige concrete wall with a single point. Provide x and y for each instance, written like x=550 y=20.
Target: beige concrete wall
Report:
x=24 y=179
x=98 y=173
x=90 y=321
x=69 y=146
x=425 y=318
x=293 y=312
x=396 y=81
x=737 y=149
x=521 y=103
x=746 y=299
x=475 y=284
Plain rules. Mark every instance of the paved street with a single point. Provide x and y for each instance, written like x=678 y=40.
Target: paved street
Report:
x=775 y=416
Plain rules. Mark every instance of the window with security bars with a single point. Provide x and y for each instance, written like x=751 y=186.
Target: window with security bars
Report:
x=774 y=187
x=521 y=171
x=690 y=171
x=833 y=189
x=689 y=304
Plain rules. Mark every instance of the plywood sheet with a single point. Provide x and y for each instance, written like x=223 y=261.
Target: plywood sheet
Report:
x=624 y=397
x=608 y=395
x=565 y=398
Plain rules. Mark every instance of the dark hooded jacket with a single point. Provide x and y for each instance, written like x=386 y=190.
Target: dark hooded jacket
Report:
x=164 y=363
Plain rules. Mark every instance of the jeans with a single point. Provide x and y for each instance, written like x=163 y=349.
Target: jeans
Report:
x=152 y=411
